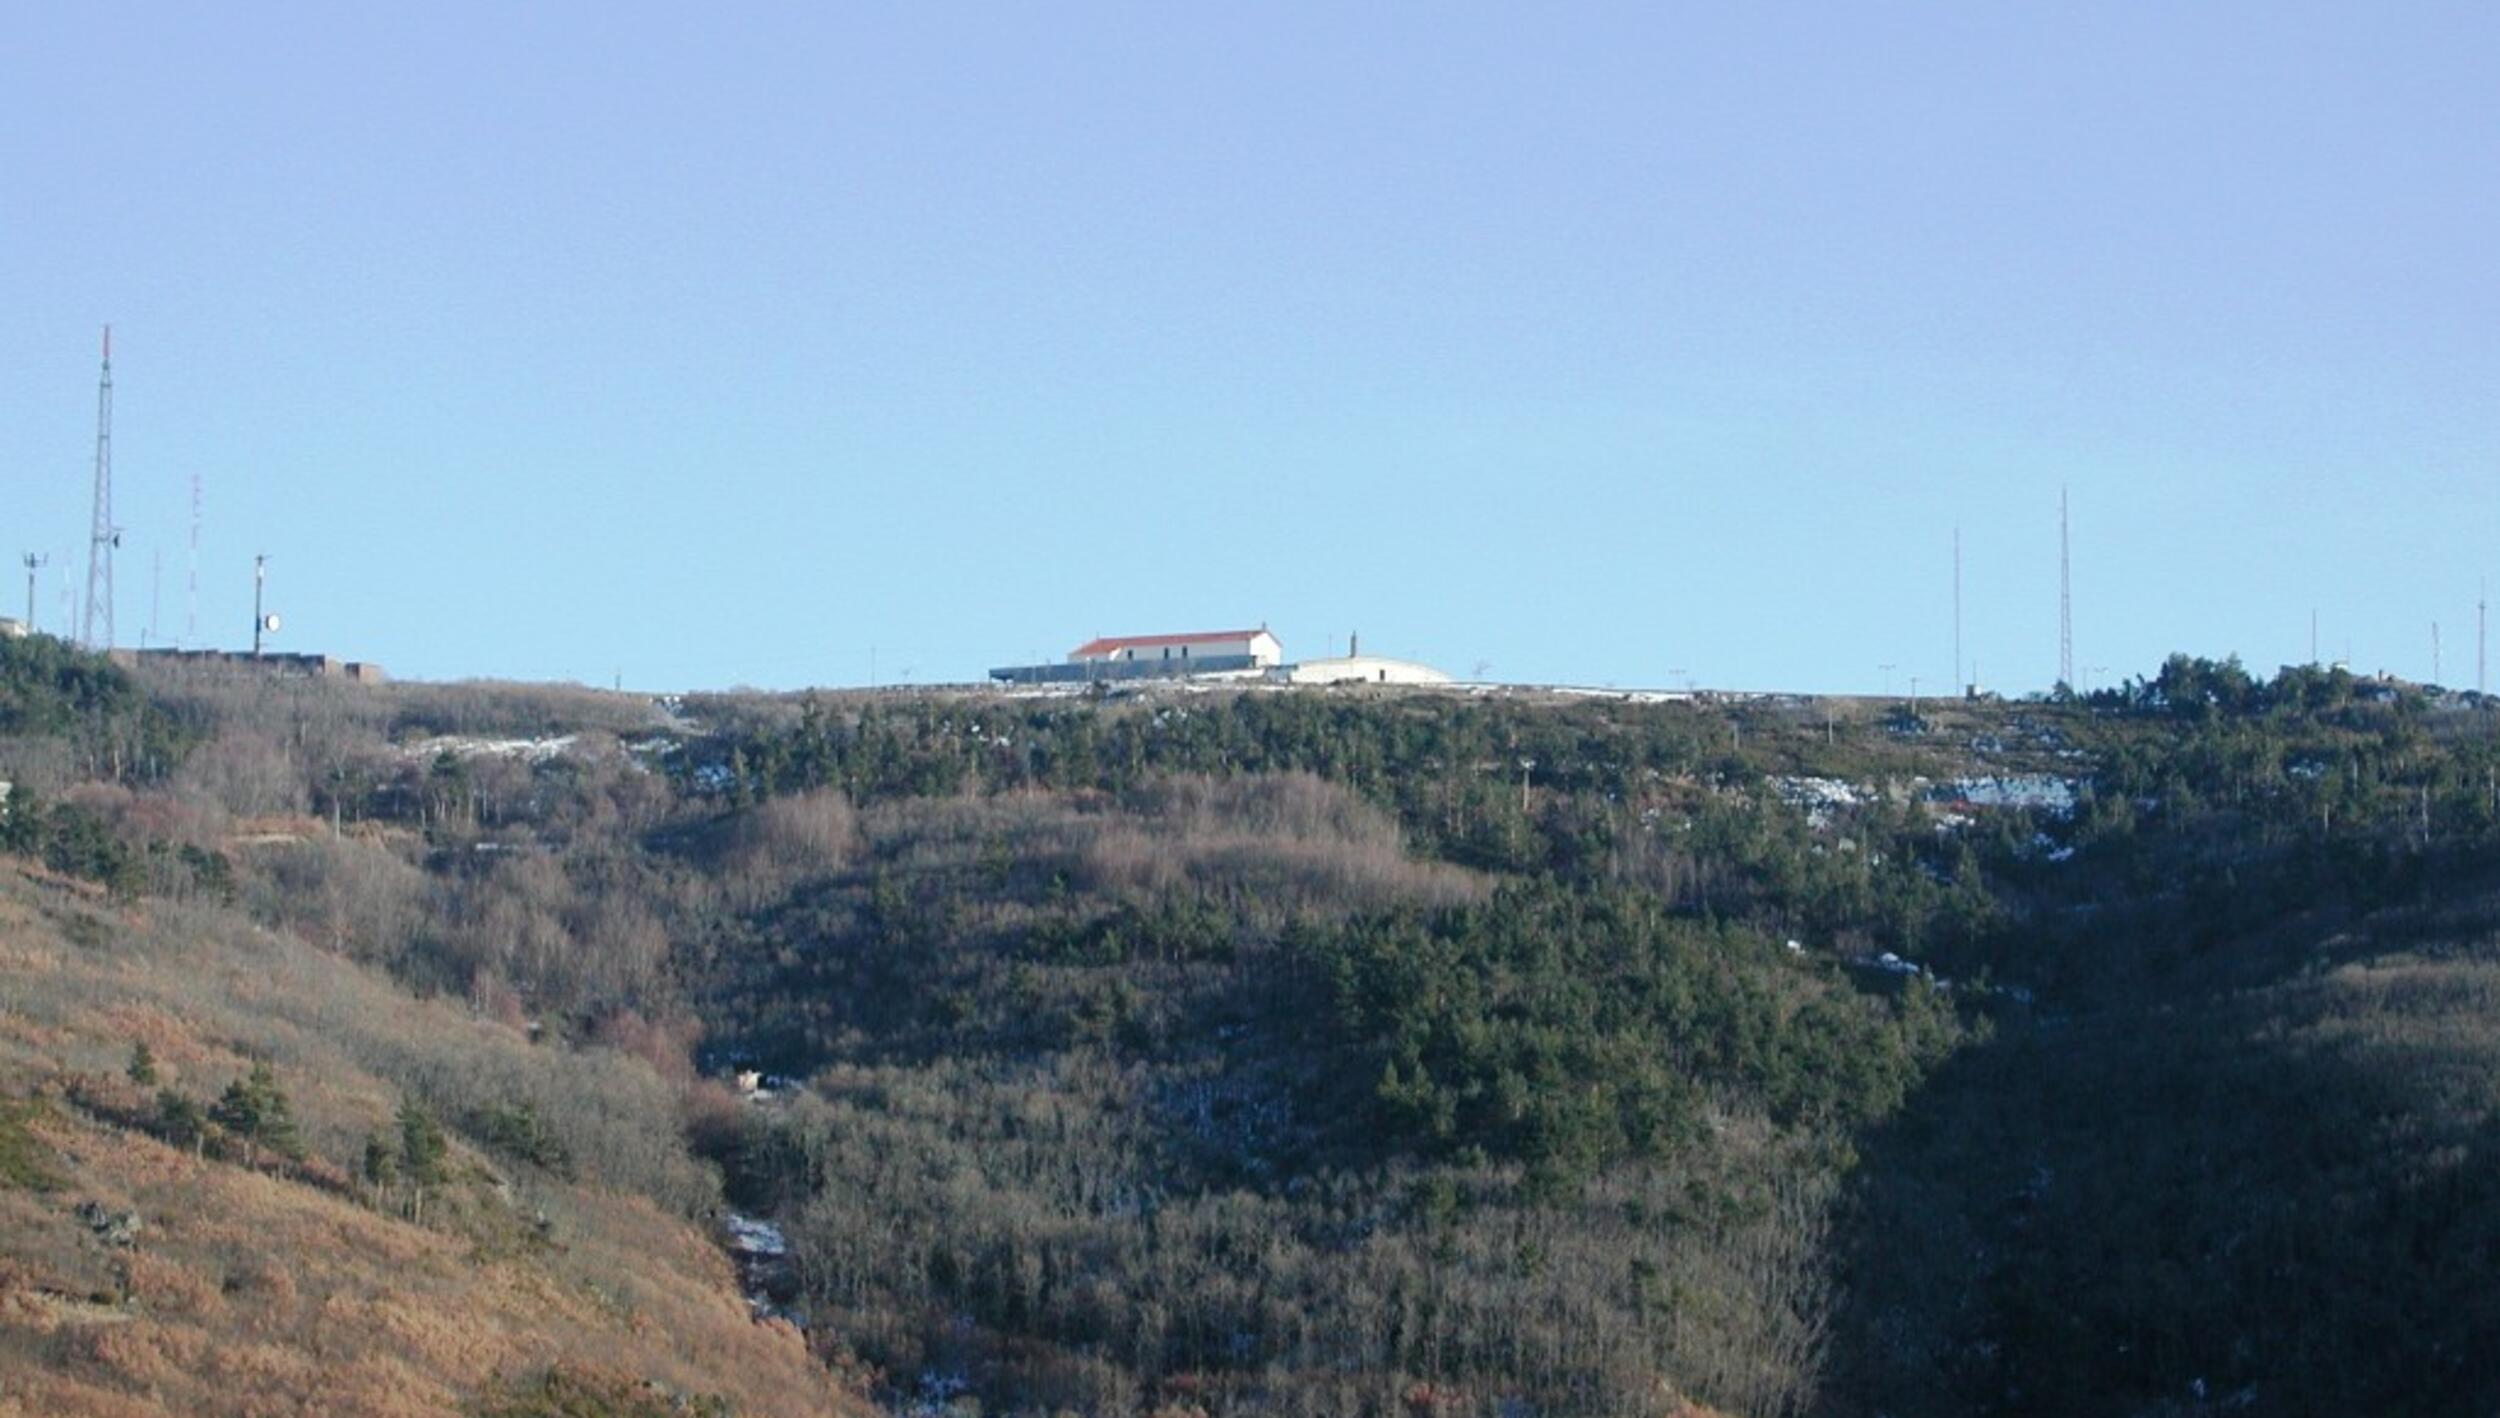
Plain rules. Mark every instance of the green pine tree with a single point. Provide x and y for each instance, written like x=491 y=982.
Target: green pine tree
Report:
x=422 y=1150
x=381 y=1166
x=181 y=1121
x=255 y=1109
x=142 y=1069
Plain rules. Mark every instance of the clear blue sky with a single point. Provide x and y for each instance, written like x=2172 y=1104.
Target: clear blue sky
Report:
x=713 y=345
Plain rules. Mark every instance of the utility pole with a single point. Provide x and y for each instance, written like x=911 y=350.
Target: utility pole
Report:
x=260 y=580
x=33 y=564
x=103 y=536
x=1887 y=668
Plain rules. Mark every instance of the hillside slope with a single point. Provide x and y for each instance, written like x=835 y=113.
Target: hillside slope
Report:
x=265 y=1286
x=1202 y=1055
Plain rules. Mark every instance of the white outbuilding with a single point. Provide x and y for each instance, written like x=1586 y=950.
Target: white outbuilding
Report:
x=1363 y=669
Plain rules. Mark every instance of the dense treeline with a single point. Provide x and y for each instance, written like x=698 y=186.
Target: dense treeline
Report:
x=1326 y=1052
x=1571 y=1030
x=82 y=703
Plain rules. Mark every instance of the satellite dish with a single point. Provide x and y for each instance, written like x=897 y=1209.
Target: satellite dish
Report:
x=269 y=622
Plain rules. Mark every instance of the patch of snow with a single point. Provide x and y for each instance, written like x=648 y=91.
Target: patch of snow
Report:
x=759 y=1239
x=2042 y=847
x=538 y=750
x=1624 y=696
x=1819 y=798
x=2039 y=792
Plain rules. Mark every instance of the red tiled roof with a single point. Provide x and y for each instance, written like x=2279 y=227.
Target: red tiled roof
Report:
x=1108 y=644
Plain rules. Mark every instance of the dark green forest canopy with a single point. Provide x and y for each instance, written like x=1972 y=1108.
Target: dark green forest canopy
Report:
x=1569 y=1029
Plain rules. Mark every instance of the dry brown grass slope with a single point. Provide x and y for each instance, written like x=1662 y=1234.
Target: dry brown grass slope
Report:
x=255 y=1291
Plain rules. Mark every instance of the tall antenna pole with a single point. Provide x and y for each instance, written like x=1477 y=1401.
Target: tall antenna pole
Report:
x=2313 y=635
x=191 y=612
x=33 y=562
x=2065 y=600
x=156 y=595
x=102 y=536
x=260 y=579
x=2482 y=628
x=1958 y=681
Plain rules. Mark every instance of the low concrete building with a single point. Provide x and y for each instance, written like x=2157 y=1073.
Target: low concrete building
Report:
x=268 y=663
x=12 y=629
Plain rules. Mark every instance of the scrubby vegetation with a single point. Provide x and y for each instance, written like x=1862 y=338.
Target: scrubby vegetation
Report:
x=1349 y=1052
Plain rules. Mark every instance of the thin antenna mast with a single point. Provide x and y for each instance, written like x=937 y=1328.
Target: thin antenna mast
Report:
x=2435 y=679
x=2482 y=628
x=102 y=537
x=1958 y=681
x=191 y=611
x=2065 y=600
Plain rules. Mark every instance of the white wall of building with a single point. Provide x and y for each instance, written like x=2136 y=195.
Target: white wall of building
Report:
x=1364 y=669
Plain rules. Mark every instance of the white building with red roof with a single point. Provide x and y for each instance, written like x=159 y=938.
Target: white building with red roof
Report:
x=1235 y=649
x=1242 y=654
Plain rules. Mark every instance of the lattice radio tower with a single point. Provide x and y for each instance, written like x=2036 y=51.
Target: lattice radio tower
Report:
x=103 y=537
x=2065 y=600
